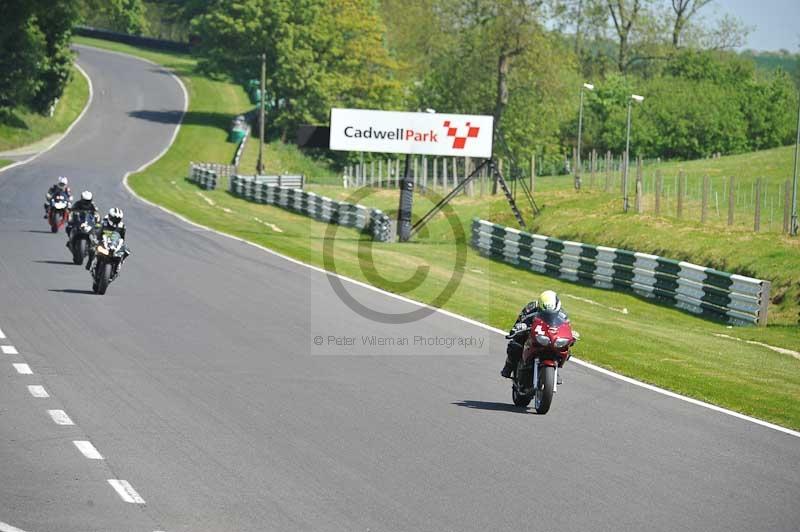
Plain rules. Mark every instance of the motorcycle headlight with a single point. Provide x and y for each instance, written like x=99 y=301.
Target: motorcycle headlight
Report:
x=542 y=339
x=561 y=343
x=102 y=250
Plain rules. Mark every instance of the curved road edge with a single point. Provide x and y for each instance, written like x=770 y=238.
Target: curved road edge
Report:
x=66 y=132
x=465 y=319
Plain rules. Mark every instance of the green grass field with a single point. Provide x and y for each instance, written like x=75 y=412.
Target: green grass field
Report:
x=21 y=126
x=5 y=162
x=656 y=344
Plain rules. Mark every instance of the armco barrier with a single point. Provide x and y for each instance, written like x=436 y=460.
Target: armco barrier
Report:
x=261 y=190
x=724 y=296
x=202 y=175
x=160 y=44
x=207 y=175
x=240 y=149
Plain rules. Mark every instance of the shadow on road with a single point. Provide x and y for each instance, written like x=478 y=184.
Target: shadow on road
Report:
x=498 y=407
x=192 y=118
x=40 y=231
x=70 y=291
x=62 y=262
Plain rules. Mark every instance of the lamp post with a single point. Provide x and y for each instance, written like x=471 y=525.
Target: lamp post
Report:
x=261 y=103
x=793 y=227
x=638 y=99
x=578 y=167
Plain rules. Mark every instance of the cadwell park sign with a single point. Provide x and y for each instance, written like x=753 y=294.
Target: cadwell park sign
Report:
x=414 y=133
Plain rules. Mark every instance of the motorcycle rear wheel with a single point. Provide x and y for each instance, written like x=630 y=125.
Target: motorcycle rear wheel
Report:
x=520 y=400
x=544 y=389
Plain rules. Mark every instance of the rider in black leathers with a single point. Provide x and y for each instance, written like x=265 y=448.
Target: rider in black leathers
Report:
x=85 y=204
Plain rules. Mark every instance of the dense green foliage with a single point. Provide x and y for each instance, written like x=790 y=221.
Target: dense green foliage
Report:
x=35 y=60
x=319 y=54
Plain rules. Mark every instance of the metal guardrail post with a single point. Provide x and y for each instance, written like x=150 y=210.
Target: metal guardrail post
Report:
x=766 y=286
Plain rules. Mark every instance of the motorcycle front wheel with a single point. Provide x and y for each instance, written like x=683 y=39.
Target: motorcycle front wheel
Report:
x=105 y=276
x=544 y=389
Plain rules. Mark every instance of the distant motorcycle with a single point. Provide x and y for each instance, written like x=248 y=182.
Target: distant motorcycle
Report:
x=108 y=254
x=82 y=225
x=544 y=353
x=58 y=211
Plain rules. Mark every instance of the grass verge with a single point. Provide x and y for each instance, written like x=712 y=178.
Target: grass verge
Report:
x=21 y=126
x=649 y=342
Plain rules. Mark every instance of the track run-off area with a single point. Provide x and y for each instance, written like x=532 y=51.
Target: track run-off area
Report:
x=194 y=397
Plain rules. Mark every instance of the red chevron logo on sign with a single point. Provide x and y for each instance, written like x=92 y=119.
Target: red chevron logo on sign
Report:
x=458 y=141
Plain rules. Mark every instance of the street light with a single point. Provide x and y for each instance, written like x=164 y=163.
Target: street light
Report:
x=793 y=227
x=638 y=99
x=590 y=87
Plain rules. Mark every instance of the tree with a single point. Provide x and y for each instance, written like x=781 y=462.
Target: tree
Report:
x=624 y=14
x=318 y=54
x=34 y=51
x=684 y=11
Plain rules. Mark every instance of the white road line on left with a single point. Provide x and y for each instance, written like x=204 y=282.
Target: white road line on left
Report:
x=9 y=350
x=126 y=491
x=2 y=335
x=60 y=417
x=88 y=450
x=5 y=527
x=37 y=390
x=23 y=369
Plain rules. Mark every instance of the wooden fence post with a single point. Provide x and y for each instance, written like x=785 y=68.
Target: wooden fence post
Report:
x=680 y=194
x=787 y=205
x=658 y=192
x=731 y=199
x=757 y=220
x=704 y=208
x=608 y=171
x=533 y=172
x=592 y=169
x=425 y=171
x=639 y=206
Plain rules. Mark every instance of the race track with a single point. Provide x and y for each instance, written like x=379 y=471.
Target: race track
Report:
x=198 y=381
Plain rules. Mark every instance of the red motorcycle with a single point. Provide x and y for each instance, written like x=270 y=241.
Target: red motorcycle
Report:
x=58 y=212
x=544 y=353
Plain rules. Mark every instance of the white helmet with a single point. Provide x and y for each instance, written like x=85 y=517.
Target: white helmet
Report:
x=86 y=195
x=115 y=216
x=549 y=302
x=63 y=182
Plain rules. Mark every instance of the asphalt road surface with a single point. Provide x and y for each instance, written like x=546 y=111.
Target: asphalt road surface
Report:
x=199 y=381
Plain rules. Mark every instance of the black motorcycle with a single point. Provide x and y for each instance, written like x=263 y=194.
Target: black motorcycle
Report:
x=108 y=255
x=82 y=224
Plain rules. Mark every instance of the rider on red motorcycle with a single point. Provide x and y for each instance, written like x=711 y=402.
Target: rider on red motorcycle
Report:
x=548 y=302
x=61 y=186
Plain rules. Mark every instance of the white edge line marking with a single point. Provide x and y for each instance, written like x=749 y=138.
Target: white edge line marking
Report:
x=588 y=365
x=126 y=491
x=37 y=390
x=72 y=125
x=2 y=335
x=5 y=527
x=780 y=350
x=60 y=417
x=88 y=450
x=23 y=369
x=9 y=350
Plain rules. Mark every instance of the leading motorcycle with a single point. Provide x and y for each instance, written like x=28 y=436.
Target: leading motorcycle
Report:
x=545 y=351
x=58 y=211
x=108 y=254
x=80 y=231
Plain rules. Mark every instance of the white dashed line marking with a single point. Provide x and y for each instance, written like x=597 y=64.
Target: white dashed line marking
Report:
x=38 y=391
x=60 y=417
x=9 y=350
x=2 y=335
x=23 y=369
x=126 y=491
x=88 y=450
x=5 y=527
